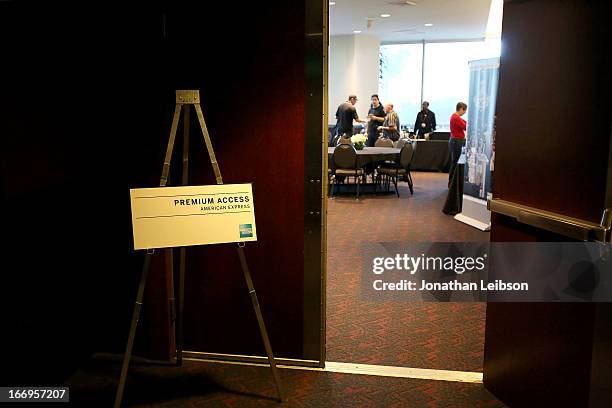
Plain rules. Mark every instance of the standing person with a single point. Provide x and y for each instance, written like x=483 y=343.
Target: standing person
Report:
x=345 y=115
x=391 y=124
x=376 y=116
x=425 y=121
x=458 y=127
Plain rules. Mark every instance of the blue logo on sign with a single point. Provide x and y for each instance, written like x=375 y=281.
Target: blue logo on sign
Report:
x=246 y=230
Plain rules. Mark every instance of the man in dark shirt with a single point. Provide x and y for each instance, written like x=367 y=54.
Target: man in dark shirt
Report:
x=425 y=121
x=345 y=115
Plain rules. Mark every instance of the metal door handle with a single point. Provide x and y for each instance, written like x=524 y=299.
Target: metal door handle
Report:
x=558 y=223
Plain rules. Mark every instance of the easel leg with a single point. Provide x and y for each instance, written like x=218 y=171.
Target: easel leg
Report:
x=260 y=321
x=183 y=250
x=209 y=146
x=132 y=334
x=166 y=167
x=181 y=303
x=145 y=268
x=243 y=263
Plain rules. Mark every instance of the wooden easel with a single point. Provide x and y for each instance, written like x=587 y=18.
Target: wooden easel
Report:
x=186 y=98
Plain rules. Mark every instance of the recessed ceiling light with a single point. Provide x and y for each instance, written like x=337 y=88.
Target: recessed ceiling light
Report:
x=356 y=31
x=385 y=15
x=428 y=25
x=332 y=3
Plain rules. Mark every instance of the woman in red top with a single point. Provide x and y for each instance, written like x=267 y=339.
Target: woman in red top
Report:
x=457 y=138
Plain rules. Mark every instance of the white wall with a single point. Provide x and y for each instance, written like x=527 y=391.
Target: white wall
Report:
x=367 y=51
x=341 y=78
x=353 y=69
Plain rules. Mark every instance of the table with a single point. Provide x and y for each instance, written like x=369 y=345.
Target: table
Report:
x=440 y=136
x=370 y=154
x=437 y=135
x=431 y=155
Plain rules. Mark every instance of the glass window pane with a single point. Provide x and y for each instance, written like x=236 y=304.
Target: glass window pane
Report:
x=447 y=75
x=400 y=81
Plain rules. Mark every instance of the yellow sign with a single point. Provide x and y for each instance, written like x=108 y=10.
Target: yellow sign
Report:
x=167 y=217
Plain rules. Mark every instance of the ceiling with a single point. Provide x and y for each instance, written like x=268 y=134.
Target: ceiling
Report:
x=451 y=19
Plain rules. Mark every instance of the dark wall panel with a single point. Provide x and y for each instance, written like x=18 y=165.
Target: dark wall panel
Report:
x=553 y=116
x=86 y=103
x=552 y=153
x=80 y=125
x=252 y=86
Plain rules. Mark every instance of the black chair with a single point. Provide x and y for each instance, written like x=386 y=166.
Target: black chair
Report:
x=344 y=165
x=383 y=142
x=344 y=138
x=400 y=143
x=331 y=134
x=393 y=171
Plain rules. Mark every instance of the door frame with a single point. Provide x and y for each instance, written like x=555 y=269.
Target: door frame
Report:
x=316 y=38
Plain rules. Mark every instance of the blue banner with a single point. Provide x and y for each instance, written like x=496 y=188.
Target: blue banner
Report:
x=484 y=75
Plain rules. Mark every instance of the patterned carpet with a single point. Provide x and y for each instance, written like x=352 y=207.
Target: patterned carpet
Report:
x=446 y=336
x=199 y=384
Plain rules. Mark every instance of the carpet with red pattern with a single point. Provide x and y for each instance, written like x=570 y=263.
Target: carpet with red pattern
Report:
x=447 y=336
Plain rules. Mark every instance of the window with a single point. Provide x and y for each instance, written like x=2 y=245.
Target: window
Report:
x=400 y=82
x=446 y=76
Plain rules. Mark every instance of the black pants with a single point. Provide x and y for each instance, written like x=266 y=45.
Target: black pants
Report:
x=372 y=137
x=454 y=148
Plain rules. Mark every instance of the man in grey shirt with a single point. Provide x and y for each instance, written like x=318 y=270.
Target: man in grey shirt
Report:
x=391 y=124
